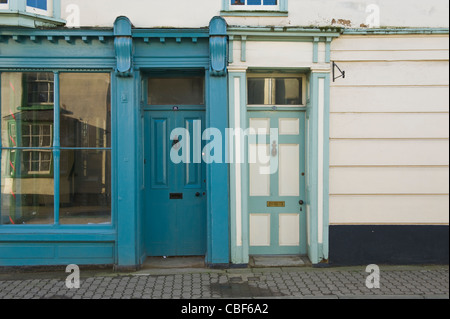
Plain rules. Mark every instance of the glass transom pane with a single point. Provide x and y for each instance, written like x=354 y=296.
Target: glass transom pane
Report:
x=275 y=91
x=176 y=91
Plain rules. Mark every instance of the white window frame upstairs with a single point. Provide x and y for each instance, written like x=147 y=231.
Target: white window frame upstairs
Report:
x=4 y=6
x=260 y=7
x=48 y=12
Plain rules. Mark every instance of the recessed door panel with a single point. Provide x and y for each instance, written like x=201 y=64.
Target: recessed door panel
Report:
x=159 y=158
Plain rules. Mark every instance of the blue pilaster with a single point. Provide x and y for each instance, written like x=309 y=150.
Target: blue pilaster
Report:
x=218 y=249
x=126 y=100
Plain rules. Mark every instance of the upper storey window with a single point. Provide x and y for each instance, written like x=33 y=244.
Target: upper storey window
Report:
x=41 y=7
x=31 y=13
x=255 y=7
x=4 y=4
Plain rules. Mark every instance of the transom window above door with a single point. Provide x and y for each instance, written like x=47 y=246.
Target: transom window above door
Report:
x=176 y=90
x=277 y=90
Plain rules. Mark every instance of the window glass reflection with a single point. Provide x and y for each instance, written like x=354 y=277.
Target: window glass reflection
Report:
x=26 y=199
x=275 y=91
x=176 y=91
x=85 y=187
x=27 y=187
x=85 y=110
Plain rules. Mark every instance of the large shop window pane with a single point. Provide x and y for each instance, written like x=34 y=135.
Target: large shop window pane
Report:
x=85 y=187
x=176 y=91
x=24 y=199
x=85 y=110
x=27 y=109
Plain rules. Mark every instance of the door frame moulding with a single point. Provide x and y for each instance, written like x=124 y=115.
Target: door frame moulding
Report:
x=318 y=73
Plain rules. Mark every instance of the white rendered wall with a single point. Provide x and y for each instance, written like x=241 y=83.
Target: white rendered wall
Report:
x=198 y=13
x=389 y=129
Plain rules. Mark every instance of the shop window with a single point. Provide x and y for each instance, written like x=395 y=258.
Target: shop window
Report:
x=27 y=193
x=276 y=90
x=40 y=89
x=28 y=188
x=85 y=169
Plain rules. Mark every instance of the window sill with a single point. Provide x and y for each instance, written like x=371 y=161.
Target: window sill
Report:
x=237 y=13
x=28 y=20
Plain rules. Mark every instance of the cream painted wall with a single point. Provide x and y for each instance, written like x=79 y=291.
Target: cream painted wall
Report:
x=389 y=130
x=197 y=13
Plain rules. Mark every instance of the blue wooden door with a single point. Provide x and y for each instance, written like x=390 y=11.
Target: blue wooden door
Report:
x=277 y=210
x=175 y=202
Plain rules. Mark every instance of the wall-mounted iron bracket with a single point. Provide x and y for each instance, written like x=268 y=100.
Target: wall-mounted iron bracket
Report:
x=335 y=66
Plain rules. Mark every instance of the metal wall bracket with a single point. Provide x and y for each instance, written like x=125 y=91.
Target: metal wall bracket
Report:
x=335 y=66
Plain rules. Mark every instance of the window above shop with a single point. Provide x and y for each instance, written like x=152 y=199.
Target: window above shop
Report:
x=41 y=7
x=254 y=8
x=31 y=13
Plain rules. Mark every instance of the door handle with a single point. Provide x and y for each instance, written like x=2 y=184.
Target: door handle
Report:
x=197 y=194
x=301 y=202
x=274 y=148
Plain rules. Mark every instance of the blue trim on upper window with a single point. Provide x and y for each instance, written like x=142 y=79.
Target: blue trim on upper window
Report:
x=254 y=7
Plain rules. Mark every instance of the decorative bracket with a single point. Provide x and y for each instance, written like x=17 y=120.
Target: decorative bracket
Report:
x=218 y=46
x=335 y=66
x=123 y=44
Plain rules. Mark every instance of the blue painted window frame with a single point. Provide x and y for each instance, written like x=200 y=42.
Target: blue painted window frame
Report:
x=6 y=229
x=260 y=10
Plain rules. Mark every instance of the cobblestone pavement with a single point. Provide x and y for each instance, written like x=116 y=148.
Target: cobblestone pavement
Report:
x=279 y=283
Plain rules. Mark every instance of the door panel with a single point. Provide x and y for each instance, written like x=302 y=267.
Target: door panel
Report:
x=277 y=221
x=175 y=201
